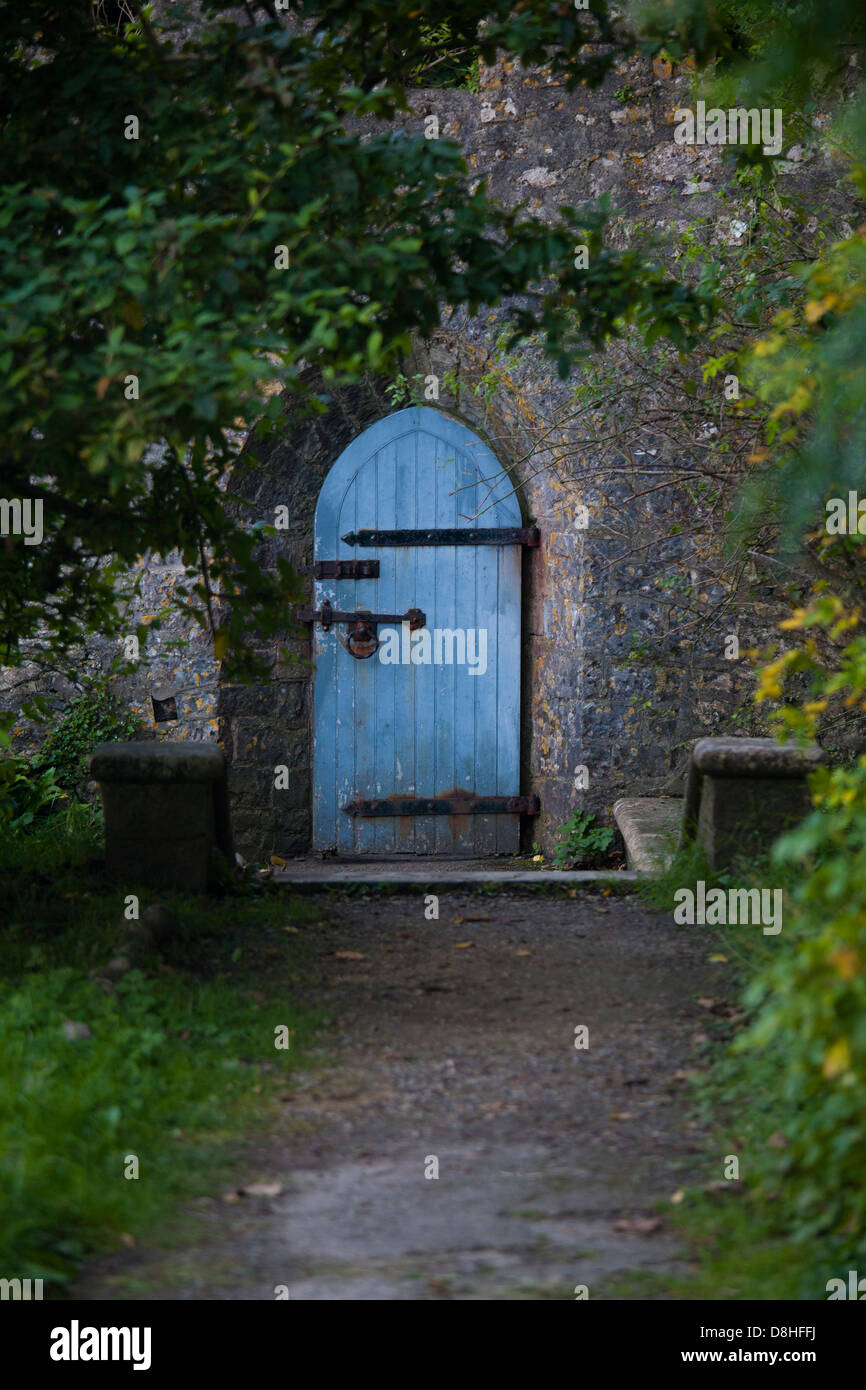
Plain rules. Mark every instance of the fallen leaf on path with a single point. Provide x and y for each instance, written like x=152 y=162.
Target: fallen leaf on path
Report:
x=261 y=1189
x=349 y=955
x=677 y=1197
x=706 y=1003
x=463 y=945
x=524 y=953
x=476 y=917
x=294 y=930
x=620 y=1115
x=717 y=960
x=638 y=1225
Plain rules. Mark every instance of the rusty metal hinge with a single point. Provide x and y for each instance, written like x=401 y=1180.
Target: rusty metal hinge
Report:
x=461 y=535
x=444 y=806
x=346 y=569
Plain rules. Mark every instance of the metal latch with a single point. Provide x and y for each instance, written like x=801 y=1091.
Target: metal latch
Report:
x=361 y=640
x=346 y=569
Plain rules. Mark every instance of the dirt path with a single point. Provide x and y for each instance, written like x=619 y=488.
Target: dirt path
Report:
x=550 y=1159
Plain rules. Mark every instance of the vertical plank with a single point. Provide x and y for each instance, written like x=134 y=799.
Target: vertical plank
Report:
x=405 y=594
x=361 y=675
x=446 y=570
x=384 y=678
x=428 y=494
x=467 y=771
x=485 y=618
x=345 y=726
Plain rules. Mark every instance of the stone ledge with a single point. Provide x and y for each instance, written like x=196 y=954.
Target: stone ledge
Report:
x=650 y=827
x=754 y=757
x=324 y=876
x=150 y=761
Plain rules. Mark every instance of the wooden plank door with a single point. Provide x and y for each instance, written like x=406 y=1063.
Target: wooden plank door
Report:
x=435 y=716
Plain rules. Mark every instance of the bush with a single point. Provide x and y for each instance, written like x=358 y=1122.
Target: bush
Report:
x=809 y=1000
x=96 y=717
x=811 y=1008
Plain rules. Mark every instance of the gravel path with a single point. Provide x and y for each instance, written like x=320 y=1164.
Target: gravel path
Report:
x=453 y=1040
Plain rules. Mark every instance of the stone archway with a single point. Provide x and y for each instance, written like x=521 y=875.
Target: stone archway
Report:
x=269 y=725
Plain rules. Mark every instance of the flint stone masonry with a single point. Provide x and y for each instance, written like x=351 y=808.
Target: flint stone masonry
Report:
x=166 y=811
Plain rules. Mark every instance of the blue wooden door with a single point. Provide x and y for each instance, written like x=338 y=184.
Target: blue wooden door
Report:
x=435 y=716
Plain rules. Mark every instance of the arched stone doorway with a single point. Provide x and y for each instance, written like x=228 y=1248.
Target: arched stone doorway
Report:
x=272 y=724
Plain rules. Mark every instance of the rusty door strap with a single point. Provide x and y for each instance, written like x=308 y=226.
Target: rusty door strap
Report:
x=461 y=535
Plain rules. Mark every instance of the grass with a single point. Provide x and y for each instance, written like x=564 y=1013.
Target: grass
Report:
x=735 y=1251
x=178 y=1063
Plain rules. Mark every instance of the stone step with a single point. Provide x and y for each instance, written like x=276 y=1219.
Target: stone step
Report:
x=650 y=827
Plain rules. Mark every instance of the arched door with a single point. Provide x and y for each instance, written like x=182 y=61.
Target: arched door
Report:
x=417 y=745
